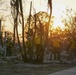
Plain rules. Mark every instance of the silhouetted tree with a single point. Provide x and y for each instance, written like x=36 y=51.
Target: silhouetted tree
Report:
x=17 y=12
x=70 y=23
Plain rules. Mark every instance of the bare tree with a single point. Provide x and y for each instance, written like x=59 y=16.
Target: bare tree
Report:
x=70 y=22
x=48 y=24
x=17 y=12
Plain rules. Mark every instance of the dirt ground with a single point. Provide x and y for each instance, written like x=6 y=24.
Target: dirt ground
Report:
x=14 y=66
x=32 y=69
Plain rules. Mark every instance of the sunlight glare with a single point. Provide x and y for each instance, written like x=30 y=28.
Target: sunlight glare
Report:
x=57 y=23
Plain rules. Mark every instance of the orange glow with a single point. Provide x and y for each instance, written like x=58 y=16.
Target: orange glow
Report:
x=39 y=5
x=57 y=24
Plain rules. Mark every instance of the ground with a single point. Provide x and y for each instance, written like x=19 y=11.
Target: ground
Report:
x=33 y=69
x=14 y=65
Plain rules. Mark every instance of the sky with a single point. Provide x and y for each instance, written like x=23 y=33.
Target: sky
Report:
x=39 y=5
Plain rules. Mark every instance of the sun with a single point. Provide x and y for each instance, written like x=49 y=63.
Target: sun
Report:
x=58 y=23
